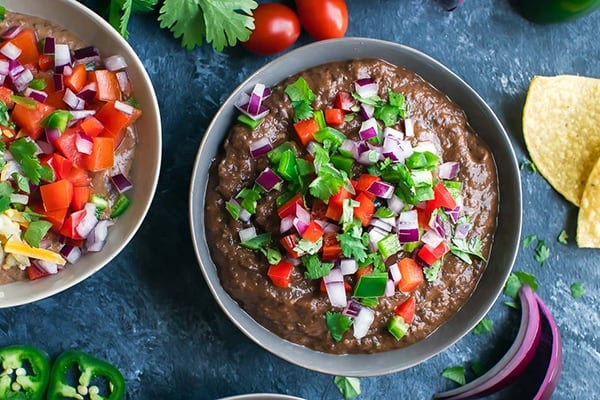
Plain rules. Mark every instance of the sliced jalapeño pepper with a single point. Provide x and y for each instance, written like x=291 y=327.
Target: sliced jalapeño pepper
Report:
x=92 y=372
x=25 y=372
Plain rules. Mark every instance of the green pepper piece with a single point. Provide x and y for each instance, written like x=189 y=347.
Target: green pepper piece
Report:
x=100 y=201
x=249 y=122
x=24 y=101
x=257 y=241
x=409 y=247
x=275 y=154
x=398 y=327
x=15 y=378
x=319 y=117
x=38 y=84
x=343 y=163
x=121 y=204
x=57 y=120
x=89 y=368
x=335 y=137
x=547 y=11
x=371 y=285
x=389 y=245
x=287 y=166
x=418 y=160
x=454 y=187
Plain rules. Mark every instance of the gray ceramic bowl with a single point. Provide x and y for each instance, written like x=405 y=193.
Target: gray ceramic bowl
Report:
x=505 y=245
x=146 y=166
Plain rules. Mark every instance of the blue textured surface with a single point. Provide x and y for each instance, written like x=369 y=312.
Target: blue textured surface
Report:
x=150 y=312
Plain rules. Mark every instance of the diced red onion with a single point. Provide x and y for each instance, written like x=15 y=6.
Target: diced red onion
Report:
x=247 y=233
x=368 y=129
x=366 y=111
x=88 y=92
x=45 y=266
x=4 y=67
x=37 y=95
x=19 y=198
x=352 y=308
x=256 y=99
x=49 y=44
x=303 y=214
x=375 y=235
x=260 y=147
x=115 y=63
x=242 y=105
x=431 y=238
x=390 y=288
x=394 y=273
x=454 y=214
x=46 y=147
x=409 y=127
x=366 y=87
x=244 y=215
x=62 y=57
x=329 y=227
x=123 y=80
x=437 y=225
x=268 y=179
x=11 y=51
x=22 y=80
x=350 y=146
x=52 y=135
x=426 y=145
x=121 y=183
x=408 y=226
x=363 y=322
x=14 y=68
x=73 y=101
x=97 y=238
x=89 y=221
x=86 y=55
x=461 y=231
x=376 y=222
x=71 y=253
x=286 y=224
x=299 y=225
x=395 y=204
x=58 y=82
x=335 y=275
x=369 y=157
x=266 y=93
x=67 y=71
x=448 y=170
x=81 y=114
x=12 y=32
x=124 y=107
x=391 y=132
x=348 y=266
x=381 y=189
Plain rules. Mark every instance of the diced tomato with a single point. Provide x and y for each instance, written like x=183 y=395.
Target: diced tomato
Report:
x=55 y=99
x=56 y=195
x=107 y=85
x=363 y=271
x=430 y=255
x=29 y=119
x=406 y=310
x=78 y=78
x=79 y=177
x=313 y=232
x=442 y=198
x=67 y=146
x=26 y=40
x=69 y=227
x=91 y=126
x=81 y=195
x=55 y=217
x=60 y=165
x=103 y=154
x=5 y=94
x=332 y=250
x=334 y=116
x=289 y=242
x=412 y=275
x=334 y=207
x=306 y=129
x=45 y=62
x=34 y=273
x=115 y=121
x=344 y=101
x=281 y=273
x=424 y=216
x=366 y=208
x=289 y=207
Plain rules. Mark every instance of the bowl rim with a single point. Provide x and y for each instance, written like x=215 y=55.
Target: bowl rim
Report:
x=350 y=364
x=51 y=289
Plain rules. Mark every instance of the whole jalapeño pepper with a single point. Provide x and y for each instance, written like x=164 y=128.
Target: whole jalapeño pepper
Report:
x=547 y=11
x=97 y=380
x=25 y=372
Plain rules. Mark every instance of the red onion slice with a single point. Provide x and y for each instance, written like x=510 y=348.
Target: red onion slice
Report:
x=62 y=57
x=350 y=148
x=115 y=63
x=268 y=180
x=84 y=143
x=81 y=114
x=86 y=55
x=348 y=266
x=89 y=221
x=11 y=51
x=366 y=111
x=45 y=266
x=379 y=223
x=123 y=80
x=303 y=214
x=299 y=225
x=73 y=101
x=394 y=273
x=409 y=127
x=431 y=238
x=260 y=147
x=395 y=204
x=121 y=183
x=4 y=67
x=550 y=344
x=49 y=45
x=408 y=226
x=368 y=129
x=22 y=80
x=363 y=322
x=286 y=224
x=448 y=170
x=375 y=235
x=247 y=233
x=124 y=107
x=71 y=253
x=38 y=95
x=352 y=309
x=88 y=92
x=336 y=293
x=58 y=82
x=256 y=99
x=97 y=238
x=381 y=189
x=366 y=87
x=12 y=32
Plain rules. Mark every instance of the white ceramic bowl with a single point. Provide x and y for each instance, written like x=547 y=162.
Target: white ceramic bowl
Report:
x=92 y=29
x=504 y=249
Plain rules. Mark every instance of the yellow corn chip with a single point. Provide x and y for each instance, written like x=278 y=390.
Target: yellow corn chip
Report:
x=588 y=220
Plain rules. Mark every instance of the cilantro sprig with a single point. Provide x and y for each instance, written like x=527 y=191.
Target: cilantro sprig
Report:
x=348 y=386
x=301 y=96
x=23 y=151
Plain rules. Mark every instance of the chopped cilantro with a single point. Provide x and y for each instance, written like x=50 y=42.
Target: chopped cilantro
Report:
x=273 y=255
x=369 y=301
x=36 y=231
x=432 y=272
x=455 y=374
x=577 y=290
x=542 y=252
x=316 y=269
x=4 y=116
x=352 y=246
x=328 y=182
x=234 y=209
x=518 y=279
x=529 y=165
x=249 y=198
x=23 y=151
x=257 y=242
x=349 y=387
x=383 y=212
x=338 y=324
x=375 y=260
x=2 y=13
x=301 y=97
x=306 y=246
x=528 y=240
x=563 y=237
x=461 y=248
x=484 y=326
x=374 y=101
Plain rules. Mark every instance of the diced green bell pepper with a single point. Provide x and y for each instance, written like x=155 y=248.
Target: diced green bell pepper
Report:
x=398 y=327
x=389 y=245
x=371 y=285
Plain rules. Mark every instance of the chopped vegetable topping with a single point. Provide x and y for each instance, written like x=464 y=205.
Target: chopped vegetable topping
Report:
x=477 y=368
x=348 y=386
x=528 y=240
x=529 y=165
x=563 y=237
x=518 y=279
x=455 y=374
x=577 y=290
x=484 y=326
x=337 y=324
x=541 y=252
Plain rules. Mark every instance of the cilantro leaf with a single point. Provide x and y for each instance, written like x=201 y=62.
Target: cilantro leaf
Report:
x=563 y=237
x=542 y=252
x=383 y=212
x=484 y=326
x=577 y=290
x=184 y=19
x=328 y=182
x=338 y=324
x=120 y=12
x=315 y=269
x=5 y=191
x=273 y=255
x=257 y=242
x=301 y=96
x=432 y=272
x=23 y=151
x=528 y=240
x=302 y=110
x=455 y=374
x=4 y=116
x=306 y=246
x=462 y=248
x=374 y=101
x=349 y=387
x=518 y=279
x=352 y=246
x=36 y=231
x=512 y=304
x=526 y=164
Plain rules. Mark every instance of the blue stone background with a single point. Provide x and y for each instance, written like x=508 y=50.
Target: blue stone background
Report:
x=150 y=312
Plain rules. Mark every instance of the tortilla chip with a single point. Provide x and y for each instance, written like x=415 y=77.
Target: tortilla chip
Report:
x=561 y=127
x=588 y=220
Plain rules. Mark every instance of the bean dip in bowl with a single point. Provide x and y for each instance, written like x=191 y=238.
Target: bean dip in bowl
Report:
x=369 y=221
x=81 y=147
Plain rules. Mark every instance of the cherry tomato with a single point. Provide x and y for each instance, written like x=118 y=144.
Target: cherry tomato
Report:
x=277 y=27
x=323 y=19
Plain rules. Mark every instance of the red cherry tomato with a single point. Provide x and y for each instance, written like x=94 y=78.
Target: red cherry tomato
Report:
x=323 y=19
x=277 y=27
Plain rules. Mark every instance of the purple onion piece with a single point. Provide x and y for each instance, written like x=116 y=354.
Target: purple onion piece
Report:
x=260 y=147
x=71 y=253
x=49 y=44
x=461 y=231
x=431 y=238
x=62 y=57
x=124 y=107
x=45 y=266
x=97 y=238
x=286 y=224
x=348 y=266
x=89 y=221
x=408 y=226
x=52 y=135
x=366 y=87
x=121 y=183
x=390 y=288
x=268 y=180
x=352 y=309
x=381 y=189
x=363 y=322
x=4 y=67
x=84 y=143
x=58 y=82
x=12 y=32
x=368 y=129
x=448 y=170
x=115 y=63
x=88 y=92
x=336 y=293
x=300 y=225
x=366 y=111
x=37 y=95
x=394 y=273
x=86 y=55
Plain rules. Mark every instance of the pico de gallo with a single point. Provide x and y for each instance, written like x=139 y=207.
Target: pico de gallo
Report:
x=367 y=217
x=63 y=114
